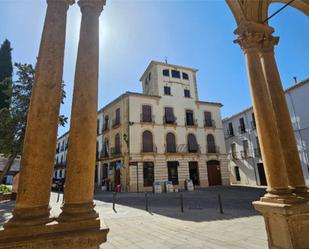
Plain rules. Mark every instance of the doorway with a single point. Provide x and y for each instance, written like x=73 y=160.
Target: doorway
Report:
x=194 y=173
x=214 y=173
x=262 y=176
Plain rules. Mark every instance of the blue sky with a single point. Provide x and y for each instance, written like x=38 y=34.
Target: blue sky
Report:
x=193 y=33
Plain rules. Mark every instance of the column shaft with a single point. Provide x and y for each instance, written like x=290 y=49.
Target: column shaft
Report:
x=265 y=120
x=32 y=205
x=79 y=187
x=285 y=129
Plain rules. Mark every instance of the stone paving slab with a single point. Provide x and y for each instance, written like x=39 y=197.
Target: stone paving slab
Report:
x=166 y=227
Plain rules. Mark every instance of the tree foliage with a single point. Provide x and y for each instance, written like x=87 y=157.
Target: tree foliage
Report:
x=6 y=70
x=13 y=120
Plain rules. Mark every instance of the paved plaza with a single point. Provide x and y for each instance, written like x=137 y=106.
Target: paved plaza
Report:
x=164 y=226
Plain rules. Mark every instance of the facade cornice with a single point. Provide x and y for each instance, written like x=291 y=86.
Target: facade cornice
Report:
x=199 y=102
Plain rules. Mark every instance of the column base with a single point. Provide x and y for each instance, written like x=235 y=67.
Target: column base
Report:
x=78 y=212
x=25 y=217
x=301 y=191
x=79 y=235
x=287 y=225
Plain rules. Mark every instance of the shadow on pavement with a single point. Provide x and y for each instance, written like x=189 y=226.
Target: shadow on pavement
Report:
x=200 y=205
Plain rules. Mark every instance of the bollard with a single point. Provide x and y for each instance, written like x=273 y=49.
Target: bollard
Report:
x=181 y=203
x=220 y=204
x=114 y=200
x=146 y=201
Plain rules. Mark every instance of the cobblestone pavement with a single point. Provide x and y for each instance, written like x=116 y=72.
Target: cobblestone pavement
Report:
x=164 y=225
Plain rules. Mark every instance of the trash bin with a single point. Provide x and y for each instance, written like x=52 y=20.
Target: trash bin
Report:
x=157 y=188
x=168 y=186
x=189 y=184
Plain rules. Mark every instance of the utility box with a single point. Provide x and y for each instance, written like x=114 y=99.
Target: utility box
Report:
x=157 y=189
x=189 y=184
x=168 y=186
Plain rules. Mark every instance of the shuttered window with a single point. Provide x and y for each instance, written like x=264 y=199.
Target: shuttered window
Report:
x=117 y=143
x=117 y=120
x=147 y=141
x=189 y=118
x=211 y=145
x=208 y=119
x=169 y=115
x=146 y=116
x=192 y=143
x=170 y=143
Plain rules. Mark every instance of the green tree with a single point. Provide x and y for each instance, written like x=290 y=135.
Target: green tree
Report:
x=14 y=119
x=6 y=70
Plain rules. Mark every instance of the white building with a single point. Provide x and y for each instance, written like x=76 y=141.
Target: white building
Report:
x=245 y=162
x=164 y=133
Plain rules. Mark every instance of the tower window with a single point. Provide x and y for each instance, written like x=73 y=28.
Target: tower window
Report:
x=166 y=72
x=187 y=93
x=185 y=76
x=167 y=90
x=175 y=74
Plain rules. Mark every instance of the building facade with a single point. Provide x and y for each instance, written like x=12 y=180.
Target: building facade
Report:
x=242 y=144
x=162 y=134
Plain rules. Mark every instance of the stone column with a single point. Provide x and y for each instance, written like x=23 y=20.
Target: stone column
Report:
x=285 y=129
x=250 y=37
x=32 y=205
x=79 y=185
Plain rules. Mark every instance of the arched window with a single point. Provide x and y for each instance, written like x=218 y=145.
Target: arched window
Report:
x=170 y=143
x=147 y=141
x=192 y=143
x=211 y=145
x=105 y=147
x=117 y=143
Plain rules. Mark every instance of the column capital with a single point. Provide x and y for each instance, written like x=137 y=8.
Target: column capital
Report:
x=68 y=2
x=251 y=35
x=268 y=43
x=96 y=5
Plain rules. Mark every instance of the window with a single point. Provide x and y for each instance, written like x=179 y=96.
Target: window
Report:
x=169 y=117
x=167 y=90
x=106 y=123
x=170 y=143
x=187 y=93
x=185 y=76
x=166 y=72
x=242 y=127
x=148 y=174
x=117 y=143
x=146 y=115
x=237 y=174
x=253 y=124
x=105 y=148
x=117 y=120
x=211 y=145
x=175 y=74
x=172 y=167
x=231 y=130
x=149 y=76
x=233 y=150
x=207 y=119
x=105 y=168
x=189 y=117
x=192 y=144
x=98 y=126
x=147 y=141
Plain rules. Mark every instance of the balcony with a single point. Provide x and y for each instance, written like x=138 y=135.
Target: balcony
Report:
x=116 y=123
x=105 y=128
x=229 y=133
x=103 y=154
x=253 y=125
x=191 y=122
x=246 y=154
x=147 y=119
x=209 y=123
x=234 y=155
x=149 y=149
x=213 y=149
x=257 y=152
x=242 y=129
x=115 y=151
x=170 y=120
